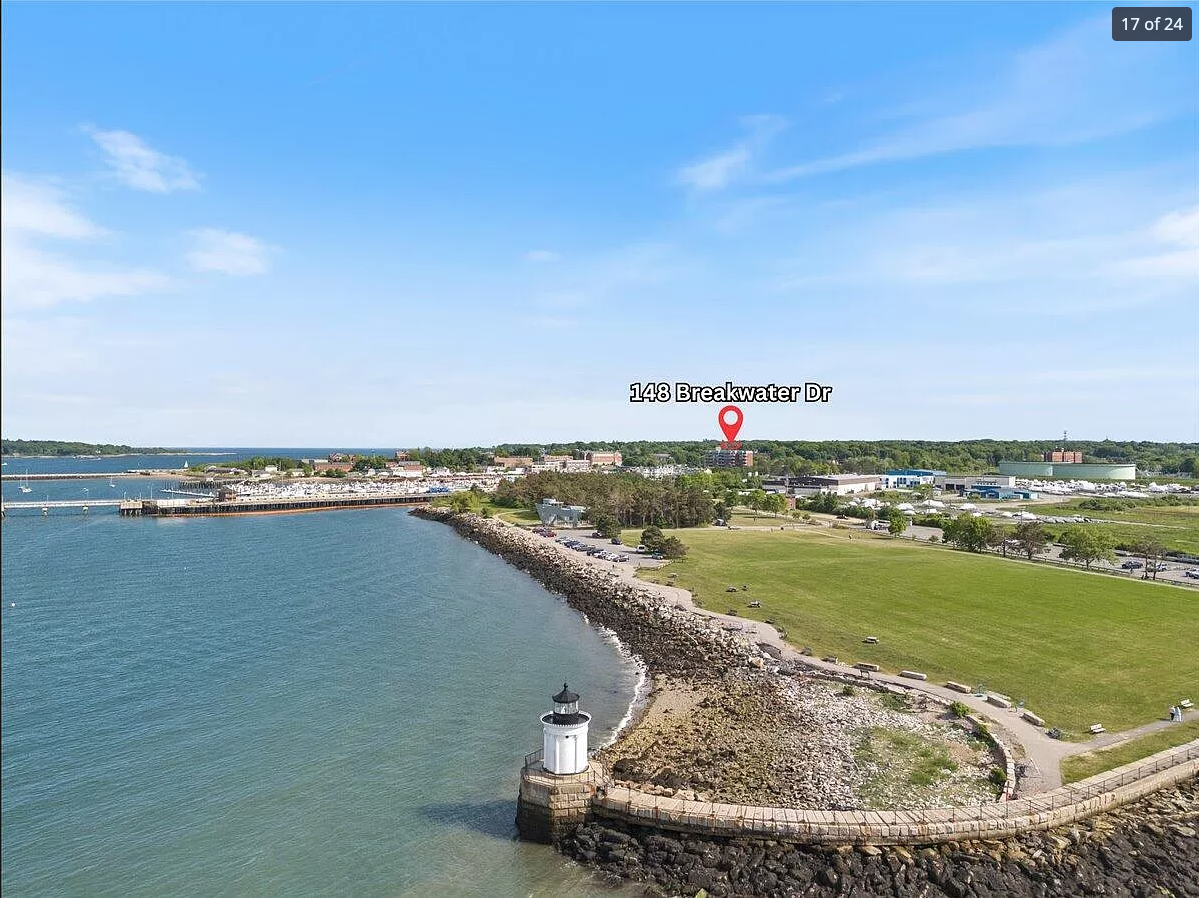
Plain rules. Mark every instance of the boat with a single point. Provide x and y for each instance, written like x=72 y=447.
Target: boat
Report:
x=25 y=487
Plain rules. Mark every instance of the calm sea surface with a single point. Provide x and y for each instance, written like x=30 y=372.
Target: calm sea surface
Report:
x=315 y=704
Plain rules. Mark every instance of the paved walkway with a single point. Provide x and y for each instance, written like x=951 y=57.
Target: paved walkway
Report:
x=1042 y=755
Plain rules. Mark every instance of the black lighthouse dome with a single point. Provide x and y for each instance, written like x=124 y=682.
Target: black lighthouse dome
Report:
x=566 y=707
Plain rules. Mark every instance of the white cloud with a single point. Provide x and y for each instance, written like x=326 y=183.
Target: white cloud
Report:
x=542 y=255
x=40 y=208
x=138 y=166
x=34 y=277
x=1078 y=87
x=228 y=252
x=1076 y=248
x=1180 y=227
x=720 y=169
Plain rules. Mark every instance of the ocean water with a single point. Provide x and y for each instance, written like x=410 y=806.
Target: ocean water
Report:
x=313 y=704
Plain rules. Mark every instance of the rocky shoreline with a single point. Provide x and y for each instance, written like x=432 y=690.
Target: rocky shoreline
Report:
x=1147 y=848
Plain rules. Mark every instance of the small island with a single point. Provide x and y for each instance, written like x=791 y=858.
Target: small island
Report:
x=67 y=448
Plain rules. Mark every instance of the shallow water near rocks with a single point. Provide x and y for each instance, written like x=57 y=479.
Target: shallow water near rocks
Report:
x=298 y=704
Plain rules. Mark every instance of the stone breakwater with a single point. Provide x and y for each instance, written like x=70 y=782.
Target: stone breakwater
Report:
x=667 y=640
x=1147 y=848
x=726 y=723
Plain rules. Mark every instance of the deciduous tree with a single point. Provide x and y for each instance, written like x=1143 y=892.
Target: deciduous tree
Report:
x=968 y=532
x=1032 y=537
x=1087 y=545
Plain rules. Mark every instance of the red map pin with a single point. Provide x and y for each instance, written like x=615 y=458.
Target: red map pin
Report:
x=730 y=419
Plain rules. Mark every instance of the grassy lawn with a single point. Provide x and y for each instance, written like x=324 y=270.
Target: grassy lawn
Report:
x=512 y=515
x=1077 y=648
x=1080 y=767
x=1177 y=526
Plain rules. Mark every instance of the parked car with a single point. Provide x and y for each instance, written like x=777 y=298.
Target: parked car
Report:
x=616 y=541
x=1193 y=573
x=1131 y=565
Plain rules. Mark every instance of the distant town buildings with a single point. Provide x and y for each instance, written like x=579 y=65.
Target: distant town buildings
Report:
x=1073 y=457
x=906 y=478
x=602 y=459
x=332 y=463
x=512 y=461
x=837 y=484
x=659 y=472
x=731 y=458
x=809 y=484
x=966 y=483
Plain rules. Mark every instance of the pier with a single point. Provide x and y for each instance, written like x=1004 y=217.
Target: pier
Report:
x=44 y=507
x=202 y=505
x=178 y=507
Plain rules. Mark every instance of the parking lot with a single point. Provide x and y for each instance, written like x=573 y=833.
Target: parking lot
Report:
x=583 y=538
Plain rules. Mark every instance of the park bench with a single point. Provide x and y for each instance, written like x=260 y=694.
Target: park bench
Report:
x=866 y=666
x=829 y=659
x=1186 y=703
x=871 y=640
x=1097 y=728
x=755 y=604
x=957 y=687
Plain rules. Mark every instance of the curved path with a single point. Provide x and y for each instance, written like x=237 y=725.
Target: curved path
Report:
x=1042 y=755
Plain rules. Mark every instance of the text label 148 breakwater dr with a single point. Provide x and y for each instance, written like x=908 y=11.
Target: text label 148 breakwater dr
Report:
x=682 y=391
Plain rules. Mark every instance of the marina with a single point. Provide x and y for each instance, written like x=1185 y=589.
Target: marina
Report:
x=266 y=505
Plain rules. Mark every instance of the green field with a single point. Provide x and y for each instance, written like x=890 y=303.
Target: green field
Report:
x=1078 y=648
x=1080 y=767
x=1176 y=526
x=513 y=515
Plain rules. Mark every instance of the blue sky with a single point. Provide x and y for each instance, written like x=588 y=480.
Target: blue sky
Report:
x=394 y=225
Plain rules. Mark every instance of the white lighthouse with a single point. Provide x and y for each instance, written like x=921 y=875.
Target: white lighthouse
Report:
x=564 y=737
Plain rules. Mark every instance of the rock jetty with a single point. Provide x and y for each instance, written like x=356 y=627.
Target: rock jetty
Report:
x=728 y=721
x=668 y=640
x=743 y=711
x=1148 y=848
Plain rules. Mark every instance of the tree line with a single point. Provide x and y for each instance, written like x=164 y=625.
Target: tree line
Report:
x=832 y=456
x=628 y=499
x=1080 y=544
x=64 y=447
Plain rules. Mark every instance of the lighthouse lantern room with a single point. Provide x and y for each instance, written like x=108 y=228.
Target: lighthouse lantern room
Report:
x=565 y=735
